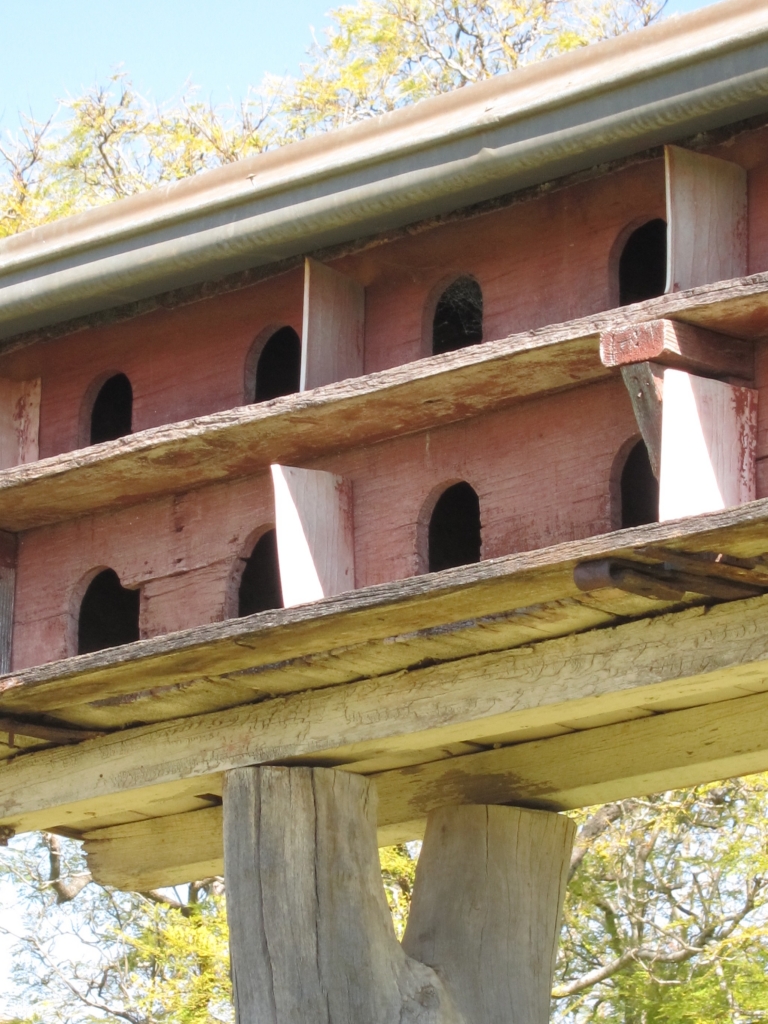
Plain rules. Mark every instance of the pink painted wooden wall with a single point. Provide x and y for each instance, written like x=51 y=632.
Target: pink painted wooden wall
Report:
x=542 y=469
x=543 y=261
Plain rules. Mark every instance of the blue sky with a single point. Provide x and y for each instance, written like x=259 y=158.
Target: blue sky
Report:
x=52 y=48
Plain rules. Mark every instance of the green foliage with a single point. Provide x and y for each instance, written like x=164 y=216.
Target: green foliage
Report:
x=102 y=955
x=376 y=56
x=383 y=54
x=398 y=869
x=111 y=144
x=666 y=922
x=666 y=917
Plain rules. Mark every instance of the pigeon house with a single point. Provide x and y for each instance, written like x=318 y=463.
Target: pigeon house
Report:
x=409 y=481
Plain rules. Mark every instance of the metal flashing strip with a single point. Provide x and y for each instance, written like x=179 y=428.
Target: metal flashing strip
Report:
x=604 y=102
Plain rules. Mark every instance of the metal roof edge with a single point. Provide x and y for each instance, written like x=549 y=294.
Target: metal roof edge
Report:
x=689 y=74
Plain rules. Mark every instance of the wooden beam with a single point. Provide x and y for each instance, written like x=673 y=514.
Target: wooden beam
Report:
x=645 y=385
x=333 y=326
x=708 y=445
x=43 y=731
x=156 y=852
x=578 y=769
x=665 y=582
x=683 y=346
x=679 y=659
x=613 y=762
x=706 y=219
x=315 y=543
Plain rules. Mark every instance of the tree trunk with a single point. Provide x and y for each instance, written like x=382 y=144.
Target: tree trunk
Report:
x=486 y=908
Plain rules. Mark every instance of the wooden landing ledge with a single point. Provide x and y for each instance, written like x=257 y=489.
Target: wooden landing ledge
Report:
x=407 y=674
x=360 y=411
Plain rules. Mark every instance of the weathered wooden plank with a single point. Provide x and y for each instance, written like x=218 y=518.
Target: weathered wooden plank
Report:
x=680 y=345
x=296 y=428
x=645 y=385
x=690 y=653
x=156 y=852
x=706 y=218
x=609 y=762
x=578 y=769
x=315 y=543
x=333 y=326
x=420 y=395
x=386 y=620
x=708 y=445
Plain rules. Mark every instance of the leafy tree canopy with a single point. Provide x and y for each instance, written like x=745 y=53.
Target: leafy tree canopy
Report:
x=376 y=56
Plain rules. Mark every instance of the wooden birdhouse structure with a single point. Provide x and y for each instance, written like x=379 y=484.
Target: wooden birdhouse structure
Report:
x=410 y=477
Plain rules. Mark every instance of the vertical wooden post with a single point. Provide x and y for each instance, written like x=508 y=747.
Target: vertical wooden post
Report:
x=19 y=421
x=7 y=591
x=706 y=219
x=315 y=542
x=645 y=384
x=708 y=445
x=333 y=327
x=311 y=936
x=486 y=908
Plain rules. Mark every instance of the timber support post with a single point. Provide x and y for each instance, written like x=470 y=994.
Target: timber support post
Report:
x=485 y=913
x=312 y=940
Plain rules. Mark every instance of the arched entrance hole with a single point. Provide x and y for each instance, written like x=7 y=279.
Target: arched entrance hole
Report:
x=109 y=614
x=260 y=588
x=643 y=263
x=112 y=410
x=458 y=319
x=274 y=368
x=453 y=535
x=638 y=489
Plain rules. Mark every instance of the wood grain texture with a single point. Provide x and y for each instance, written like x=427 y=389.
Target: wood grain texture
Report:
x=295 y=429
x=486 y=906
x=315 y=542
x=680 y=659
x=19 y=422
x=645 y=385
x=420 y=395
x=651 y=753
x=311 y=937
x=706 y=219
x=680 y=345
x=635 y=758
x=333 y=326
x=495 y=604
x=708 y=445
